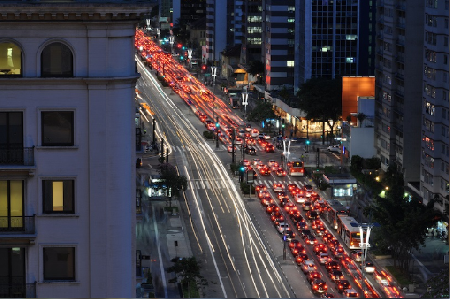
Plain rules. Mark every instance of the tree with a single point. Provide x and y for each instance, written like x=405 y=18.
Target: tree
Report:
x=261 y=112
x=188 y=269
x=257 y=68
x=404 y=220
x=171 y=180
x=361 y=117
x=321 y=100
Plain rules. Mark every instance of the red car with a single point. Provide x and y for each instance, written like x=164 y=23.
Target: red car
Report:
x=270 y=148
x=263 y=194
x=264 y=170
x=266 y=201
x=272 y=208
x=260 y=187
x=300 y=258
x=320 y=248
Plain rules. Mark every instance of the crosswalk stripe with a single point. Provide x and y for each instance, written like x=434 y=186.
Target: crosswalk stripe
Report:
x=202 y=185
x=208 y=186
x=196 y=182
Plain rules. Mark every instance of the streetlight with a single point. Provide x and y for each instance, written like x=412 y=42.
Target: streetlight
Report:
x=245 y=103
x=171 y=41
x=214 y=74
x=148 y=22
x=190 y=57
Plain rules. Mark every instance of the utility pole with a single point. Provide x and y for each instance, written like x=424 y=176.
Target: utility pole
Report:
x=233 y=136
x=154 y=130
x=162 y=148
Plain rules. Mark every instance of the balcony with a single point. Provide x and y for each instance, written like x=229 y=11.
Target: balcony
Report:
x=17 y=160
x=17 y=225
x=17 y=290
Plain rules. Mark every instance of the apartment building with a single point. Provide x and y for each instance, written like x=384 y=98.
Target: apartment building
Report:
x=399 y=85
x=216 y=29
x=434 y=156
x=252 y=31
x=67 y=148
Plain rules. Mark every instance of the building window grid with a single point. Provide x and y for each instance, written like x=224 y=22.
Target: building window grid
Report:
x=429 y=108
x=428 y=160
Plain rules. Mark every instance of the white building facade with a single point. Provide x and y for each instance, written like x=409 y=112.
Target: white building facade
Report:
x=67 y=154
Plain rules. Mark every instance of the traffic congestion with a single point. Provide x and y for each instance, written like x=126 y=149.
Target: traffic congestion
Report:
x=314 y=231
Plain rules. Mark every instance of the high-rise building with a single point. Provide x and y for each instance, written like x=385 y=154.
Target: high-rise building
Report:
x=399 y=85
x=334 y=38
x=434 y=156
x=67 y=148
x=252 y=31
x=216 y=29
x=278 y=43
x=188 y=11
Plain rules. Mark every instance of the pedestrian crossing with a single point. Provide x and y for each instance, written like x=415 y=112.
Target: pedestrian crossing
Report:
x=203 y=184
x=195 y=147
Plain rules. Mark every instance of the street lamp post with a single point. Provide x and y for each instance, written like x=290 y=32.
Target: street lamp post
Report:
x=214 y=74
x=148 y=22
x=245 y=103
x=190 y=57
x=171 y=41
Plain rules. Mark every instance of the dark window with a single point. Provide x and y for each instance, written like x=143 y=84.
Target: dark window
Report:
x=57 y=128
x=59 y=263
x=58 y=196
x=10 y=60
x=56 y=61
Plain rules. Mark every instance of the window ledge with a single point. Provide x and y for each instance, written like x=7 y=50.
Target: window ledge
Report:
x=59 y=281
x=59 y=215
x=56 y=147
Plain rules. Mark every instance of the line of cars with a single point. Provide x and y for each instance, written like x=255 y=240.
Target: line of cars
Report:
x=328 y=252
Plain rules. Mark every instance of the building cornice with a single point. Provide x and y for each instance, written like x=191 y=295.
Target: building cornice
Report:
x=62 y=83
x=73 y=12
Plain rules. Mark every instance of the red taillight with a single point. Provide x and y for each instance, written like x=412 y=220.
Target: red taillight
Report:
x=315 y=287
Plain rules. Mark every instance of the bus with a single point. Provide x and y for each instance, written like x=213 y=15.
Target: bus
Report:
x=350 y=235
x=333 y=210
x=296 y=168
x=234 y=95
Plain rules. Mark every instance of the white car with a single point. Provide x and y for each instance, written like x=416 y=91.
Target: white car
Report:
x=256 y=161
x=369 y=267
x=254 y=133
x=241 y=133
x=238 y=141
x=323 y=258
x=263 y=135
x=299 y=198
x=271 y=163
x=282 y=226
x=334 y=149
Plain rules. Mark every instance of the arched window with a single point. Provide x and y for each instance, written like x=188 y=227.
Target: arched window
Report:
x=10 y=59
x=56 y=61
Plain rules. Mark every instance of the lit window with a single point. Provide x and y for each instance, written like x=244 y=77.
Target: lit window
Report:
x=10 y=60
x=58 y=196
x=291 y=20
x=290 y=63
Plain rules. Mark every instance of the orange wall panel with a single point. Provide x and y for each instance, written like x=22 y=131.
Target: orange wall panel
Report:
x=352 y=88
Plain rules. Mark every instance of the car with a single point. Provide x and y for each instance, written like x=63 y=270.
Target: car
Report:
x=308 y=190
x=300 y=258
x=350 y=293
x=327 y=295
x=302 y=225
x=211 y=126
x=332 y=244
x=278 y=187
x=312 y=275
x=312 y=215
x=263 y=135
x=246 y=162
x=254 y=133
x=311 y=240
x=316 y=223
x=306 y=206
x=260 y=187
x=341 y=285
x=288 y=235
x=280 y=172
x=241 y=133
x=338 y=252
x=305 y=233
x=328 y=237
x=271 y=207
x=270 y=148
x=323 y=258
x=334 y=149
x=262 y=142
x=336 y=275
x=295 y=191
x=202 y=117
x=230 y=148
x=319 y=286
x=300 y=198
x=369 y=267
x=248 y=127
x=298 y=248
x=292 y=186
x=290 y=208
x=320 y=230
x=263 y=193
x=264 y=170
x=282 y=226
x=256 y=161
x=238 y=141
x=250 y=141
x=261 y=165
x=271 y=163
x=297 y=218
x=207 y=122
x=318 y=248
x=356 y=255
x=294 y=243
x=266 y=201
x=250 y=150
x=276 y=217
x=332 y=265
x=281 y=195
x=308 y=265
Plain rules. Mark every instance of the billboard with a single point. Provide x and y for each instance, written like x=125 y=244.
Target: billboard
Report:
x=352 y=88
